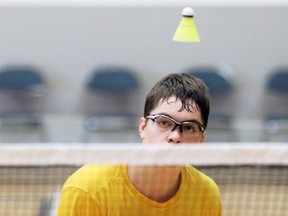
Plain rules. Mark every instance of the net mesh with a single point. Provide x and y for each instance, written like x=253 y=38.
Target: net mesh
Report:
x=253 y=179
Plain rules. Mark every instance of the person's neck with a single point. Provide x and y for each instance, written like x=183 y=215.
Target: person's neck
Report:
x=159 y=183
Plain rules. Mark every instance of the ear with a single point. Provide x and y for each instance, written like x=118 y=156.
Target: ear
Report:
x=142 y=125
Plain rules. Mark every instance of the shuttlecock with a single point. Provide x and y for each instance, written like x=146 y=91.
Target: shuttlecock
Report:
x=187 y=31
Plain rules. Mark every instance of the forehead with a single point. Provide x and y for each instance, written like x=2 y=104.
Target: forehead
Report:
x=173 y=107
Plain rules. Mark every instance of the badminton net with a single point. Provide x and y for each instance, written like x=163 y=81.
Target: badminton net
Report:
x=252 y=177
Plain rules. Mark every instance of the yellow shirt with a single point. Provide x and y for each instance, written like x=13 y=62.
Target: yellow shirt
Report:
x=105 y=190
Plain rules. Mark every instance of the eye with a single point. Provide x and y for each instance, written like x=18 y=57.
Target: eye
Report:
x=164 y=122
x=190 y=127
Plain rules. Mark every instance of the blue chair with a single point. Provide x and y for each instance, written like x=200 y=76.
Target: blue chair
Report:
x=213 y=78
x=110 y=118
x=220 y=82
x=276 y=105
x=20 y=88
x=113 y=80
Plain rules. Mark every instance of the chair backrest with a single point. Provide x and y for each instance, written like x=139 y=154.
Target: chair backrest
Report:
x=112 y=90
x=276 y=95
x=21 y=87
x=113 y=79
x=22 y=79
x=215 y=80
x=278 y=80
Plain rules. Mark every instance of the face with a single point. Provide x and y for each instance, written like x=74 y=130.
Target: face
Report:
x=150 y=133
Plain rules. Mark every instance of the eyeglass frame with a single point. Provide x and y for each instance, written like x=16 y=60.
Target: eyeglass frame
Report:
x=176 y=123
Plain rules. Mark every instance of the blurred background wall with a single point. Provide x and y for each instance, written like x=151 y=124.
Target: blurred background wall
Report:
x=66 y=43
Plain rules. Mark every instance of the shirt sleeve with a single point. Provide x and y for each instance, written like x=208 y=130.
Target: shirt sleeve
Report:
x=216 y=209
x=76 y=202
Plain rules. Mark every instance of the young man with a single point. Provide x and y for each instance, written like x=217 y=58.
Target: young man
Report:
x=176 y=111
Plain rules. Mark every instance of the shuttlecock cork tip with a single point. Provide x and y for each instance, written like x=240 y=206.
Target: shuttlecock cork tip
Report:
x=187 y=12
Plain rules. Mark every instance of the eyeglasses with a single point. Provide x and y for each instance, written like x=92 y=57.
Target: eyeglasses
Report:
x=189 y=128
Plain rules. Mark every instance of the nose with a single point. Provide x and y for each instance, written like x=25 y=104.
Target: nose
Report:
x=174 y=136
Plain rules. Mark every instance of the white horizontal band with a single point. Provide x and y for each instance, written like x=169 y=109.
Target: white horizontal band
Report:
x=202 y=154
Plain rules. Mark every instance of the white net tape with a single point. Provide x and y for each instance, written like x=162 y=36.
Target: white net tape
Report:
x=198 y=154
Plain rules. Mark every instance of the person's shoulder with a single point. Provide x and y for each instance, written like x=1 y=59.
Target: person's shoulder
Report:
x=201 y=183
x=199 y=177
x=95 y=176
